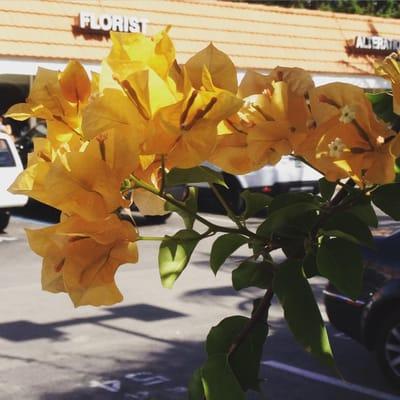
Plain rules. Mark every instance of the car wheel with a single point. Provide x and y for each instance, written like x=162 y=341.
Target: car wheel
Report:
x=4 y=219
x=388 y=348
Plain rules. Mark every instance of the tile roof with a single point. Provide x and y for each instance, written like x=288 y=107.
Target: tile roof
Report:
x=255 y=36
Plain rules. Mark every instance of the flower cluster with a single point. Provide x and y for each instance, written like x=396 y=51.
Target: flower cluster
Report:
x=145 y=114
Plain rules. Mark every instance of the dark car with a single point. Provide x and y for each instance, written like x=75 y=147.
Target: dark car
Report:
x=24 y=143
x=374 y=318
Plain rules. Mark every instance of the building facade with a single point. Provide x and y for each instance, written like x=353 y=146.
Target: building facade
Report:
x=49 y=33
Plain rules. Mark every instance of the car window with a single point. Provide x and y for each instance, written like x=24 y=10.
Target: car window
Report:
x=6 y=157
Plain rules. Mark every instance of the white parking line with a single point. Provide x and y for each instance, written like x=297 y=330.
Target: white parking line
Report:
x=341 y=335
x=331 y=381
x=30 y=221
x=217 y=218
x=222 y=219
x=8 y=239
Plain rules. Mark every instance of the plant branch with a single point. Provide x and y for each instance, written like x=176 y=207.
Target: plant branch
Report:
x=210 y=225
x=225 y=205
x=162 y=186
x=338 y=203
x=260 y=315
x=342 y=193
x=155 y=238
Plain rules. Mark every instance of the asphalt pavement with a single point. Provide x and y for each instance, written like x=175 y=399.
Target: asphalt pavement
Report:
x=148 y=345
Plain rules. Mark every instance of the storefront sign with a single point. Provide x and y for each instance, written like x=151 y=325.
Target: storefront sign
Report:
x=376 y=44
x=106 y=22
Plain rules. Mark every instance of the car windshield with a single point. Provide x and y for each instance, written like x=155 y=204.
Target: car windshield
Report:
x=6 y=157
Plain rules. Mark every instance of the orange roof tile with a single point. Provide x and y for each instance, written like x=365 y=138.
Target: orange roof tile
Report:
x=255 y=36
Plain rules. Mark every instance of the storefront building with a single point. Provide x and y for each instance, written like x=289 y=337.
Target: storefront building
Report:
x=48 y=33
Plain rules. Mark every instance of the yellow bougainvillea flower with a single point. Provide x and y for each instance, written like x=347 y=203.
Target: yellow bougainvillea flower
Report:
x=140 y=67
x=113 y=114
x=185 y=142
x=74 y=83
x=227 y=103
x=219 y=65
x=299 y=83
x=32 y=180
x=59 y=98
x=187 y=130
x=269 y=126
x=390 y=69
x=112 y=110
x=349 y=140
x=345 y=101
x=132 y=52
x=231 y=151
x=76 y=182
x=60 y=134
x=50 y=246
x=268 y=142
x=272 y=123
x=130 y=107
x=172 y=116
x=213 y=75
x=149 y=171
x=45 y=99
x=253 y=83
x=84 y=184
x=81 y=257
x=149 y=92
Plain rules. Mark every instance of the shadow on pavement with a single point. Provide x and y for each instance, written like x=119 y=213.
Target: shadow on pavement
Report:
x=162 y=376
x=19 y=331
x=164 y=372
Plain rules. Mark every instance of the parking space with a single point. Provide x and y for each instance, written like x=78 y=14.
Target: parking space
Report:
x=147 y=347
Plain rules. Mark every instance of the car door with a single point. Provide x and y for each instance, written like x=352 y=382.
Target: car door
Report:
x=10 y=168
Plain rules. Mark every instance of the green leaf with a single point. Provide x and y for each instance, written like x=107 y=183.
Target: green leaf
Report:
x=310 y=265
x=347 y=226
x=365 y=213
x=195 y=387
x=387 y=198
x=286 y=216
x=174 y=255
x=341 y=262
x=223 y=247
x=258 y=246
x=326 y=188
x=219 y=381
x=126 y=184
x=382 y=104
x=285 y=199
x=190 y=204
x=290 y=214
x=301 y=311
x=245 y=361
x=293 y=247
x=254 y=202
x=179 y=176
x=252 y=274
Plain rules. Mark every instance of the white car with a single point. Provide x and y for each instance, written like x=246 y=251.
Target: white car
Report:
x=10 y=168
x=289 y=174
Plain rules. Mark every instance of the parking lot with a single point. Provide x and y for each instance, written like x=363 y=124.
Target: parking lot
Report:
x=148 y=346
